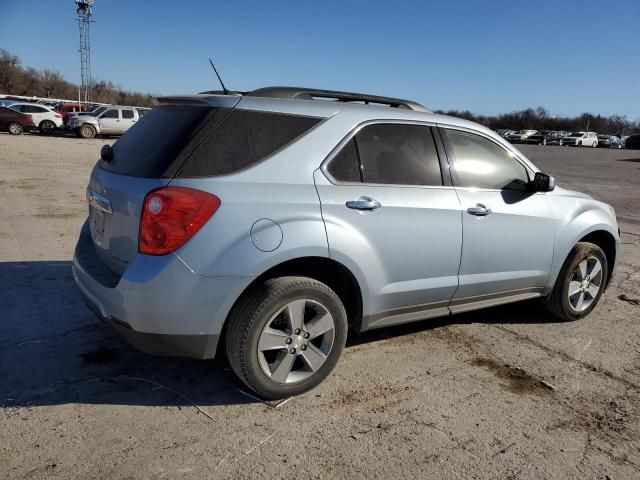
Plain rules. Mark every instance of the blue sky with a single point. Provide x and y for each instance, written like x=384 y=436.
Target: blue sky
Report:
x=486 y=56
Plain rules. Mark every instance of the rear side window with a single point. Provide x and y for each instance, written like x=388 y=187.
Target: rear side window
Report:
x=127 y=113
x=399 y=155
x=242 y=140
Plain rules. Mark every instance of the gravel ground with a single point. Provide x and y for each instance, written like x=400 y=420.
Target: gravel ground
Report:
x=500 y=393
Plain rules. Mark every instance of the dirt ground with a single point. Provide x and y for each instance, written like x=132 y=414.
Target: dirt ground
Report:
x=500 y=393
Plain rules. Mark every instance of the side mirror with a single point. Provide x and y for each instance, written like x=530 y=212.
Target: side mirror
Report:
x=543 y=182
x=106 y=153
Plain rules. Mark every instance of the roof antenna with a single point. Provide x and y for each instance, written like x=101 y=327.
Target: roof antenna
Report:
x=224 y=89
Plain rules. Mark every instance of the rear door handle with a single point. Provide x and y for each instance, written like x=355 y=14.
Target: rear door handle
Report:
x=363 y=203
x=479 y=210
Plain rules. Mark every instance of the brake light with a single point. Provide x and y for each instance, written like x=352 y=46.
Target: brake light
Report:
x=171 y=216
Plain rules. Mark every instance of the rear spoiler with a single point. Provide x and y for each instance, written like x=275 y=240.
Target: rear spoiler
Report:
x=219 y=101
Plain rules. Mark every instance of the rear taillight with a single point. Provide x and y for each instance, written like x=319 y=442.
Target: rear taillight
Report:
x=171 y=216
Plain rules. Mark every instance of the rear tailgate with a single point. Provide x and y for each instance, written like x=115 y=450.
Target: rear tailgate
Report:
x=143 y=159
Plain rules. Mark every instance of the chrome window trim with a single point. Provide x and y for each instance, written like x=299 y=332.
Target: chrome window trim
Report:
x=352 y=133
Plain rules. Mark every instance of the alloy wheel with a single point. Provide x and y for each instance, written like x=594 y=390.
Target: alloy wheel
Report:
x=296 y=341
x=585 y=284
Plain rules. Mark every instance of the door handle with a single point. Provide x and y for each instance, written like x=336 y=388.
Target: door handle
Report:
x=363 y=203
x=479 y=210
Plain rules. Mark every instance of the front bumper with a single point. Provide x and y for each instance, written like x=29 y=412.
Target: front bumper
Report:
x=159 y=305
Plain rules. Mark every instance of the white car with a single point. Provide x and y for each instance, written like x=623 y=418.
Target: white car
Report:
x=46 y=119
x=581 y=139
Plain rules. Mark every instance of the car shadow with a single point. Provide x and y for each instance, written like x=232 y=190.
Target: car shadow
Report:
x=637 y=160
x=53 y=350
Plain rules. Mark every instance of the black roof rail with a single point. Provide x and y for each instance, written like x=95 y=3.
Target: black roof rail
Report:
x=316 y=94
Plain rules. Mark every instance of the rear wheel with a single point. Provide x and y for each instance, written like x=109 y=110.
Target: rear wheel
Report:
x=579 y=144
x=15 y=128
x=580 y=283
x=594 y=144
x=87 y=131
x=544 y=141
x=47 y=127
x=286 y=337
x=560 y=143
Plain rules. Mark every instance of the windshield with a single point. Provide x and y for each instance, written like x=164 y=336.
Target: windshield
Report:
x=575 y=135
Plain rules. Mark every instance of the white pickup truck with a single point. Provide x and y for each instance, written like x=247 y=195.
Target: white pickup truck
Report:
x=112 y=121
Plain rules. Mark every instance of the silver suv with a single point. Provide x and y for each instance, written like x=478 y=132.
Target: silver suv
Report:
x=105 y=121
x=274 y=221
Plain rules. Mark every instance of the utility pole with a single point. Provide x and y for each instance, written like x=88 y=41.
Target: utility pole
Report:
x=84 y=9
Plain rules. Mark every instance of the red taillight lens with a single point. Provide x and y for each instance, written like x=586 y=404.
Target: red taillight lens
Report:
x=171 y=216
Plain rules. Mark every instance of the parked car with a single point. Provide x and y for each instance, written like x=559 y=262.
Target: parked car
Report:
x=633 y=142
x=112 y=121
x=277 y=221
x=520 y=136
x=609 y=141
x=15 y=122
x=95 y=111
x=545 y=137
x=581 y=139
x=45 y=118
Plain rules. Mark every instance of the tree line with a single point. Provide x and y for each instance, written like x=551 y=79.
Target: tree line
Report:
x=26 y=81
x=16 y=79
x=540 y=119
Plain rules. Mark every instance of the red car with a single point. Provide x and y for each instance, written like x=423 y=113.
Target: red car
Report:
x=15 y=122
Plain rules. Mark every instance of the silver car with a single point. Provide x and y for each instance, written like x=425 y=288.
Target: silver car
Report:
x=106 y=121
x=271 y=223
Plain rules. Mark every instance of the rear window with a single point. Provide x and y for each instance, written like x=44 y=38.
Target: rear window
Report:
x=199 y=141
x=150 y=146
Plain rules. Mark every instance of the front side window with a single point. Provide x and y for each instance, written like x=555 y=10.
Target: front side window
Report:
x=110 y=114
x=481 y=163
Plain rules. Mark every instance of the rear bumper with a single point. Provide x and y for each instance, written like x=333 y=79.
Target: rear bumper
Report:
x=158 y=305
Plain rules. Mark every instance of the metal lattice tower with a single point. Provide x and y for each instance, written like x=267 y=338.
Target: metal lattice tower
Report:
x=84 y=8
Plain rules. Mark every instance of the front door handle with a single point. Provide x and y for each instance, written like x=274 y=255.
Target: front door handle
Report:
x=479 y=210
x=363 y=203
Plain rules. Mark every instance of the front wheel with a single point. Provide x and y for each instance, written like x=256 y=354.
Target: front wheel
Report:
x=594 y=144
x=560 y=143
x=579 y=144
x=15 y=128
x=87 y=131
x=580 y=283
x=286 y=337
x=544 y=141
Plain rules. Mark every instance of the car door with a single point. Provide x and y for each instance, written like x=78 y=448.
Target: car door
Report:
x=127 y=120
x=392 y=218
x=508 y=231
x=110 y=121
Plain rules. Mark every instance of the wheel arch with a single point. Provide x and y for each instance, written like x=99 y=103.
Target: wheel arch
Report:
x=326 y=270
x=607 y=242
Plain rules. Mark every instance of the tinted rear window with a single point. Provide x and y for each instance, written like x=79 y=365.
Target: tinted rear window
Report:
x=151 y=146
x=242 y=140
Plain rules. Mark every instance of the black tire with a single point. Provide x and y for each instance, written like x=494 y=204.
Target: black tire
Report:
x=15 y=128
x=580 y=144
x=87 y=131
x=250 y=316
x=47 y=127
x=557 y=302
